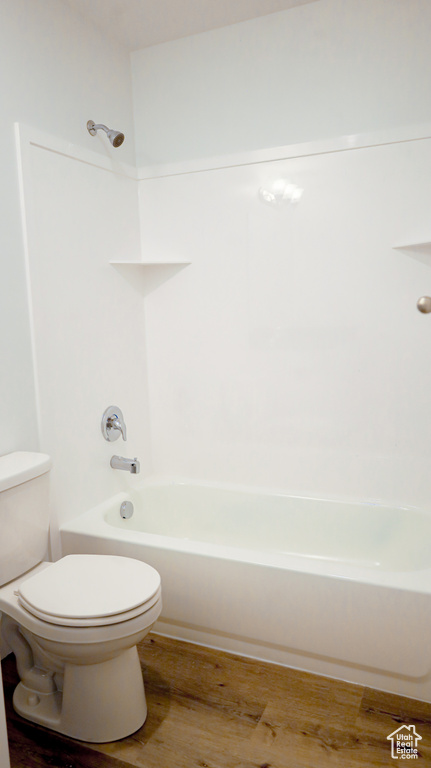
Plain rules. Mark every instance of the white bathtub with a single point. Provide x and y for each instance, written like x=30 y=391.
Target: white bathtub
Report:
x=341 y=589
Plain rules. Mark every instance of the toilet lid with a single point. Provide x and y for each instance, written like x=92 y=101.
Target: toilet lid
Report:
x=91 y=590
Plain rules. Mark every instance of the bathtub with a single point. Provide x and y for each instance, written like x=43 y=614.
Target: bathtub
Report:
x=337 y=588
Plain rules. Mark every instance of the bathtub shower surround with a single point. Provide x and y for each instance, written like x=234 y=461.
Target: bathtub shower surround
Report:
x=340 y=589
x=248 y=342
x=290 y=353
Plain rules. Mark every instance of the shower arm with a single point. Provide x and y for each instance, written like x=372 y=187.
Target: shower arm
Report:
x=93 y=128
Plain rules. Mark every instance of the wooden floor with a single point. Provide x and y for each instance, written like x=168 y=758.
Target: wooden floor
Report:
x=209 y=709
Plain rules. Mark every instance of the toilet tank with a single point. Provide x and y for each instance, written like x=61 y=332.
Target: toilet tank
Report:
x=24 y=512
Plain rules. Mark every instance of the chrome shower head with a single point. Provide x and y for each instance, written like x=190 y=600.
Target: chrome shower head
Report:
x=115 y=137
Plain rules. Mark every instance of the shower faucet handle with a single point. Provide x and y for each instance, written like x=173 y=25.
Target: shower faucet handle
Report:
x=113 y=424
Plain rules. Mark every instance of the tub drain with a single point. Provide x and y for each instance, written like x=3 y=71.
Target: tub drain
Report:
x=126 y=510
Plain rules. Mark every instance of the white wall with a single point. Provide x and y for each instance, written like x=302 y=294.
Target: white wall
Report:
x=330 y=68
x=57 y=72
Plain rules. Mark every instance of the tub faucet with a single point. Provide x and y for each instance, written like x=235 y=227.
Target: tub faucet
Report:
x=129 y=465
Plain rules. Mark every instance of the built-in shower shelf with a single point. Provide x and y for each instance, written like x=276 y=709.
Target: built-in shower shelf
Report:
x=424 y=247
x=417 y=251
x=145 y=276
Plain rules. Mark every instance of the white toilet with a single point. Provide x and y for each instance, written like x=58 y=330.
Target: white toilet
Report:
x=73 y=625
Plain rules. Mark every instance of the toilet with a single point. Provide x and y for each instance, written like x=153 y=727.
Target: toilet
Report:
x=74 y=624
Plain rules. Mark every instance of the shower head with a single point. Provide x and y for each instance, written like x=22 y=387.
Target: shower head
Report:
x=115 y=137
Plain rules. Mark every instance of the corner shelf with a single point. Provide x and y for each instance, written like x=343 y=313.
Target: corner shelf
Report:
x=146 y=276
x=424 y=247
x=418 y=251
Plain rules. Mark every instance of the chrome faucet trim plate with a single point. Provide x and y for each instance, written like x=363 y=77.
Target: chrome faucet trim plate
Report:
x=113 y=424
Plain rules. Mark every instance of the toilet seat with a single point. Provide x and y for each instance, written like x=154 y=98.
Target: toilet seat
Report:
x=100 y=621
x=90 y=590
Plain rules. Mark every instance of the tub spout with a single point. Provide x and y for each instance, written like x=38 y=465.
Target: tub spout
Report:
x=129 y=465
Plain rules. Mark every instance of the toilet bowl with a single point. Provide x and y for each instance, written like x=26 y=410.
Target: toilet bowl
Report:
x=73 y=626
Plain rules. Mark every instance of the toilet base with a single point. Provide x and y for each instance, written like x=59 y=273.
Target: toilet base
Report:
x=99 y=703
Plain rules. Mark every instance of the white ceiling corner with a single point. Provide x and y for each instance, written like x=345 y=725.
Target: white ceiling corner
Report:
x=136 y=24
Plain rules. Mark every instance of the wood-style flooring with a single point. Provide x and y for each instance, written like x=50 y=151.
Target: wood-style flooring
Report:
x=208 y=709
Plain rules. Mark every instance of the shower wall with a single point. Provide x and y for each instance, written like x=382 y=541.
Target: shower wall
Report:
x=290 y=353
x=81 y=213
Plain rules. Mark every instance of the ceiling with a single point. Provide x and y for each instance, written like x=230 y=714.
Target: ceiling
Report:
x=137 y=24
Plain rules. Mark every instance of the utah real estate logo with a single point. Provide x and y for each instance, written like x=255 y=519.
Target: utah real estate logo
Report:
x=404 y=743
